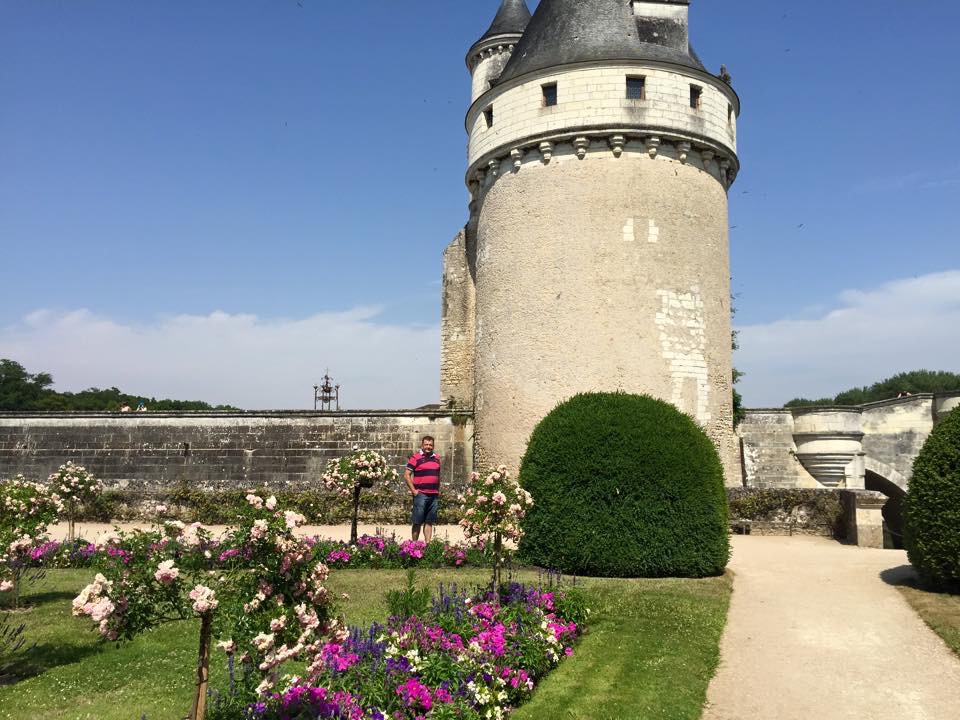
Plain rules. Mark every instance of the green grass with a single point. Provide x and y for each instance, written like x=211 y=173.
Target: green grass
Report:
x=652 y=648
x=941 y=611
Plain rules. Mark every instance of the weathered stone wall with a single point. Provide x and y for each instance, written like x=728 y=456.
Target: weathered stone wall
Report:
x=457 y=327
x=769 y=452
x=602 y=273
x=894 y=431
x=147 y=452
x=883 y=437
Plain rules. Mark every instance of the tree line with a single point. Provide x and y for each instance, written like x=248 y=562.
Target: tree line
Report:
x=905 y=383
x=23 y=390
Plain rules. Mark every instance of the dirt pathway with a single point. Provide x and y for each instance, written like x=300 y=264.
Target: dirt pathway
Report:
x=815 y=633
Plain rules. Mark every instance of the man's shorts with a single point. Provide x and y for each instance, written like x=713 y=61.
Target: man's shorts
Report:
x=425 y=509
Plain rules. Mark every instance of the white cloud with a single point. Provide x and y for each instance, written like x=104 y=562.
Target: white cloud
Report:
x=240 y=360
x=870 y=335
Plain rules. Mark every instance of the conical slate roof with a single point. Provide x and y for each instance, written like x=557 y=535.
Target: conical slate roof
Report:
x=570 y=31
x=511 y=19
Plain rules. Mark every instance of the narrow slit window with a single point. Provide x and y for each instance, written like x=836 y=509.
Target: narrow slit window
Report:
x=549 y=95
x=696 y=96
x=730 y=114
x=636 y=88
x=488 y=116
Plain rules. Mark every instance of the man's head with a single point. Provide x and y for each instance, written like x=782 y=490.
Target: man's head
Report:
x=426 y=444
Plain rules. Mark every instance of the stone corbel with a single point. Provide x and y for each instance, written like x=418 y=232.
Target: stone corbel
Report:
x=683 y=151
x=546 y=151
x=493 y=169
x=653 y=146
x=616 y=144
x=707 y=156
x=725 y=171
x=581 y=144
x=516 y=155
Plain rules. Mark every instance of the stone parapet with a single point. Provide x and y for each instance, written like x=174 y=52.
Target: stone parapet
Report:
x=594 y=95
x=150 y=452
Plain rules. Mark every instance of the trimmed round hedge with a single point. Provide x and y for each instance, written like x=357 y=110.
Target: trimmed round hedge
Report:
x=624 y=486
x=932 y=508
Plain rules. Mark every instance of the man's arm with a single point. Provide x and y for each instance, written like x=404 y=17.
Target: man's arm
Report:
x=408 y=476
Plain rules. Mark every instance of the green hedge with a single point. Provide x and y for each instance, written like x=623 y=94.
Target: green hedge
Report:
x=806 y=507
x=932 y=507
x=219 y=507
x=624 y=486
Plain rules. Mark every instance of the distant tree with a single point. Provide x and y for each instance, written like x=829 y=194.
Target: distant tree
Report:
x=20 y=390
x=913 y=382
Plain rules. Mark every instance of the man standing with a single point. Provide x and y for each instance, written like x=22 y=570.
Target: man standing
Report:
x=423 y=479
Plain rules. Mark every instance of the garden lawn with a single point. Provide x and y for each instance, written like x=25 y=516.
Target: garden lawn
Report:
x=941 y=611
x=652 y=647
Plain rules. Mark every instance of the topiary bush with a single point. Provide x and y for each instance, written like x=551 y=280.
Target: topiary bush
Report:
x=932 y=508
x=624 y=486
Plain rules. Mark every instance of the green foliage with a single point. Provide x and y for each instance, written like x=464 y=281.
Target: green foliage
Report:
x=803 y=506
x=411 y=601
x=20 y=390
x=624 y=486
x=932 y=508
x=916 y=381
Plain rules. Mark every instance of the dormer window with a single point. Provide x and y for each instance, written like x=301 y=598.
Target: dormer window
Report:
x=488 y=116
x=636 y=87
x=549 y=94
x=696 y=96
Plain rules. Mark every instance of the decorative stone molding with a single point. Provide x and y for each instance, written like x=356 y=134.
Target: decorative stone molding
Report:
x=616 y=144
x=581 y=145
x=661 y=148
x=546 y=151
x=486 y=50
x=653 y=146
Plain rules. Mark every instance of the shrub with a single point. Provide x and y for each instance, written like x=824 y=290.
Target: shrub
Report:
x=624 y=486
x=932 y=508
x=806 y=507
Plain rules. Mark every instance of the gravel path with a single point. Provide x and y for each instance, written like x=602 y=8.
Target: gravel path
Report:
x=816 y=633
x=452 y=533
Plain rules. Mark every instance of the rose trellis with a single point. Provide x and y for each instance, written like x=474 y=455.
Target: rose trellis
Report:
x=493 y=506
x=347 y=476
x=258 y=589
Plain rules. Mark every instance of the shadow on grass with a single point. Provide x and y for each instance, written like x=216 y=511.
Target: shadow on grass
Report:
x=42 y=657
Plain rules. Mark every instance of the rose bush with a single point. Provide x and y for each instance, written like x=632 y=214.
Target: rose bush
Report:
x=28 y=508
x=349 y=475
x=77 y=488
x=258 y=588
x=493 y=506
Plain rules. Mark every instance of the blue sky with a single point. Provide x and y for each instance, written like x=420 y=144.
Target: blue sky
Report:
x=268 y=185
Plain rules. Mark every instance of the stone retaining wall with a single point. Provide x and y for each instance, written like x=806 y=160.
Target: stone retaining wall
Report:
x=150 y=452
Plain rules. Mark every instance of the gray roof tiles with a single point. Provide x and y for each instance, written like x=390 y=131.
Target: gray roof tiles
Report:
x=511 y=19
x=562 y=32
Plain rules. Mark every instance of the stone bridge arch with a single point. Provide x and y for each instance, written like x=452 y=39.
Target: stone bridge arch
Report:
x=883 y=478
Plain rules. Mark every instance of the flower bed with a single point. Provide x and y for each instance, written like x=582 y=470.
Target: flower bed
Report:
x=369 y=552
x=467 y=657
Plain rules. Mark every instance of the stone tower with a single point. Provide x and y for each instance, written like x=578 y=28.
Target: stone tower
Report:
x=596 y=256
